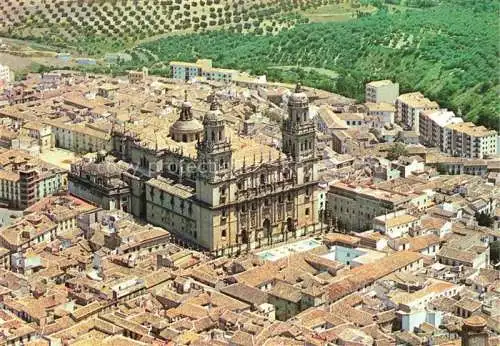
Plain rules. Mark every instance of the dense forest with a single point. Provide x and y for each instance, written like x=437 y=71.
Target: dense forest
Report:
x=448 y=51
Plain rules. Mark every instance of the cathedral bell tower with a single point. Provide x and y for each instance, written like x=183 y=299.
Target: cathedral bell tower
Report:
x=298 y=132
x=214 y=151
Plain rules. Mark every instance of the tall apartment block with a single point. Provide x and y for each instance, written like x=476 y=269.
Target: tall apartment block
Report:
x=442 y=129
x=409 y=107
x=469 y=140
x=381 y=91
x=432 y=124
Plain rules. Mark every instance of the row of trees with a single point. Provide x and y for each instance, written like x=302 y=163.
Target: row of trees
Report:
x=77 y=20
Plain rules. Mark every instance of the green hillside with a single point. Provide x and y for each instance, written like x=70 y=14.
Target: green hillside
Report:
x=449 y=52
x=99 y=26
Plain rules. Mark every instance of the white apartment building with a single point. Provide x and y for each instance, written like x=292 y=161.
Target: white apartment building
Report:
x=469 y=140
x=385 y=111
x=187 y=70
x=395 y=224
x=201 y=68
x=381 y=91
x=409 y=107
x=5 y=75
x=220 y=74
x=432 y=124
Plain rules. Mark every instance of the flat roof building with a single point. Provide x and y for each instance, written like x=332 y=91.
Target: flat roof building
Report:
x=381 y=91
x=409 y=107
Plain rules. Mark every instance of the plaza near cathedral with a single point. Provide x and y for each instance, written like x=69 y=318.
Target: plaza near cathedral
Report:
x=212 y=187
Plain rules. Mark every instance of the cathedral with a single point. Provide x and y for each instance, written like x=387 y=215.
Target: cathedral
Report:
x=225 y=193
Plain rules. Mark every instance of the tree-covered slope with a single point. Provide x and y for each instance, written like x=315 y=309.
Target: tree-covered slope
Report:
x=99 y=26
x=449 y=52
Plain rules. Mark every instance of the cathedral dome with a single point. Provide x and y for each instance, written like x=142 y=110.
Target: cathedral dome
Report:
x=192 y=125
x=186 y=128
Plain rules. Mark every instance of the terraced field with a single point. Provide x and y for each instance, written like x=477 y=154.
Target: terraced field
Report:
x=109 y=25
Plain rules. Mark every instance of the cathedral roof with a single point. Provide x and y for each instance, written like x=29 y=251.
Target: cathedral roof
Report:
x=192 y=126
x=186 y=123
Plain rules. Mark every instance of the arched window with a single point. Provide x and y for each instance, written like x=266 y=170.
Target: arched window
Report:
x=262 y=179
x=184 y=138
x=213 y=136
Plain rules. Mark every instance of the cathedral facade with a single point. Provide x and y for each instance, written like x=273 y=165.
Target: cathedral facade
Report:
x=227 y=199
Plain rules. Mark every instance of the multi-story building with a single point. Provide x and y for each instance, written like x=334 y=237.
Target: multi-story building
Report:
x=355 y=207
x=353 y=119
x=469 y=140
x=137 y=76
x=21 y=94
x=432 y=124
x=409 y=107
x=456 y=165
x=220 y=74
x=80 y=138
x=28 y=231
x=187 y=70
x=381 y=91
x=51 y=80
x=42 y=133
x=5 y=76
x=396 y=224
x=408 y=165
x=63 y=210
x=101 y=183
x=385 y=111
x=201 y=68
x=327 y=121
x=25 y=180
x=223 y=200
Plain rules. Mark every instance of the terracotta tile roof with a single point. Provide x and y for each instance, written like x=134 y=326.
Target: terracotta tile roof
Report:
x=245 y=293
x=422 y=242
x=286 y=292
x=364 y=275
